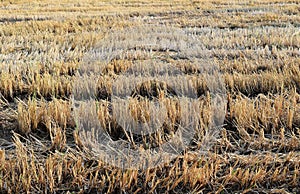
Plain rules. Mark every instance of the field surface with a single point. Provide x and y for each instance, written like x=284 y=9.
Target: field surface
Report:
x=53 y=53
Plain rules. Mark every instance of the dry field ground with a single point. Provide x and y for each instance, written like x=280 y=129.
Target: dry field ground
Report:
x=255 y=45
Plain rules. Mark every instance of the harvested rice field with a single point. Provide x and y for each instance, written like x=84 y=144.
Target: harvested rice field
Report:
x=136 y=96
